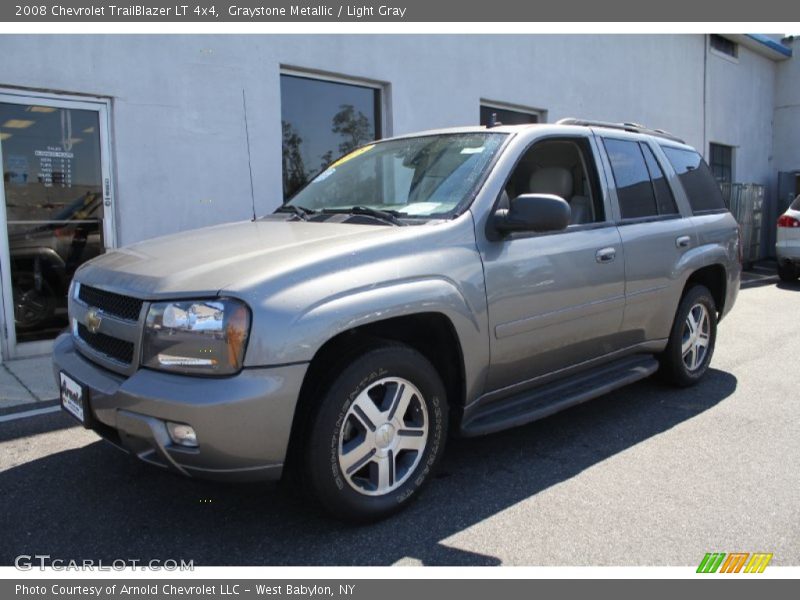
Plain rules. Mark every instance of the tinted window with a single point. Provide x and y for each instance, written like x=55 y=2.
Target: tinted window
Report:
x=321 y=121
x=664 y=199
x=696 y=178
x=634 y=190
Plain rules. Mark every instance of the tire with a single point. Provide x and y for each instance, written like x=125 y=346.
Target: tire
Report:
x=787 y=271
x=680 y=366
x=377 y=435
x=32 y=308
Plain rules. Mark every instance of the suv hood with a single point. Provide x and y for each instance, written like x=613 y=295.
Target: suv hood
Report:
x=205 y=261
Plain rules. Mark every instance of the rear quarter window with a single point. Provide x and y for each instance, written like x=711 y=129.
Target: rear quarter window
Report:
x=697 y=180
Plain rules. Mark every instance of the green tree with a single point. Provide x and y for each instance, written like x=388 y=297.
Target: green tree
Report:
x=294 y=171
x=354 y=127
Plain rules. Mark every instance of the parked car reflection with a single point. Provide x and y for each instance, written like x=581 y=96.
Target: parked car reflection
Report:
x=44 y=258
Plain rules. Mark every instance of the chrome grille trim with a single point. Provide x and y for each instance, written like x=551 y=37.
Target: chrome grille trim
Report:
x=112 y=326
x=121 y=306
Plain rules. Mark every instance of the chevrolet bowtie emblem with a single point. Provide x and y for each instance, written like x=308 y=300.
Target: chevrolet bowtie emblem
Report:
x=93 y=319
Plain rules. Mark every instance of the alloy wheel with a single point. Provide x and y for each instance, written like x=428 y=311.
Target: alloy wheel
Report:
x=696 y=337
x=383 y=436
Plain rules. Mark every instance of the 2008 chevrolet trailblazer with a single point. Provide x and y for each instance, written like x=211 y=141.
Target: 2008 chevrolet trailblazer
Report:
x=464 y=280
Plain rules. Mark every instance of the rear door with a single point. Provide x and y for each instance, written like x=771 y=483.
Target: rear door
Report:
x=655 y=235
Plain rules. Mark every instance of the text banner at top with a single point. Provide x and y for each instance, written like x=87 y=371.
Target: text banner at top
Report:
x=412 y=11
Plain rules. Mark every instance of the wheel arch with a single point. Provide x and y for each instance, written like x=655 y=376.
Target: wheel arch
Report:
x=715 y=278
x=432 y=334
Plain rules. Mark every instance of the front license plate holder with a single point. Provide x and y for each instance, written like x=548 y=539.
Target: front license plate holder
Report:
x=75 y=399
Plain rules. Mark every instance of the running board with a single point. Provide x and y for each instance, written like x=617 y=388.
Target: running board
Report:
x=541 y=402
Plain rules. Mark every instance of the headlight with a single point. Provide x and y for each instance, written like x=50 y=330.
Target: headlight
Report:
x=206 y=337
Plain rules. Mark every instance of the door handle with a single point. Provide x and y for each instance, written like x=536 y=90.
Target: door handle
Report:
x=606 y=255
x=683 y=241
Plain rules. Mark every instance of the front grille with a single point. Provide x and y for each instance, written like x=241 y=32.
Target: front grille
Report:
x=119 y=350
x=118 y=305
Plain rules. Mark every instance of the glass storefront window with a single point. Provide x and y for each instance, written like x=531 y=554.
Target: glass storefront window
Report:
x=321 y=121
x=52 y=184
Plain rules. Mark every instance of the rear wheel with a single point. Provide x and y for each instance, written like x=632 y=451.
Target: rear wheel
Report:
x=787 y=271
x=377 y=435
x=692 y=339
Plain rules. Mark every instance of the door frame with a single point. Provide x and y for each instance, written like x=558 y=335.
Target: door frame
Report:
x=9 y=348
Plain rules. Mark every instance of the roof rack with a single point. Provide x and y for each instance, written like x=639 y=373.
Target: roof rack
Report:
x=632 y=127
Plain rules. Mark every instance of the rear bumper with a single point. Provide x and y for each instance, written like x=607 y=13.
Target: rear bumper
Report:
x=787 y=247
x=242 y=422
x=787 y=242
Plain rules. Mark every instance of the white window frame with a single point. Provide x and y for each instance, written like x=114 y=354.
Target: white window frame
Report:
x=9 y=348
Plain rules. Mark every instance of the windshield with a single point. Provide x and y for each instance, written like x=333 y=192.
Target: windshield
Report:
x=416 y=177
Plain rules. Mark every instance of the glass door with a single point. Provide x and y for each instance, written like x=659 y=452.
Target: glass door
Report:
x=55 y=212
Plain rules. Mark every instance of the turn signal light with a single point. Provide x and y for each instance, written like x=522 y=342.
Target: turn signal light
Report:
x=787 y=221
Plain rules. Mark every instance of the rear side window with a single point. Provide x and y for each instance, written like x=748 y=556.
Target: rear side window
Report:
x=696 y=178
x=664 y=199
x=634 y=190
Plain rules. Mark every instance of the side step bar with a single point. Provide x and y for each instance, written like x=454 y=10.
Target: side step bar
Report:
x=541 y=402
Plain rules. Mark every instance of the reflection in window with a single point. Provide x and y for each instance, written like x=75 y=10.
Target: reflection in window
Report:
x=696 y=178
x=52 y=182
x=664 y=199
x=321 y=121
x=634 y=190
x=418 y=176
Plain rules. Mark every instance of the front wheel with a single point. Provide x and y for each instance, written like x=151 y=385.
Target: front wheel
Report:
x=377 y=435
x=692 y=339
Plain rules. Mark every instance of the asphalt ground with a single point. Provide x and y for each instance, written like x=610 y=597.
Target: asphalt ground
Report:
x=648 y=475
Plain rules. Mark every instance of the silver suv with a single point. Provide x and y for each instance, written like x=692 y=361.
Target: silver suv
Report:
x=464 y=280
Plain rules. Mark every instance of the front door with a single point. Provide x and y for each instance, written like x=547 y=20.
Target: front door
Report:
x=555 y=300
x=55 y=211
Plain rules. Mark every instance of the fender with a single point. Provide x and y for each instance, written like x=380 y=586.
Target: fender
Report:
x=305 y=334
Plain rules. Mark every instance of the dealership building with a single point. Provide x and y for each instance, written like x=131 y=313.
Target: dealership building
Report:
x=110 y=140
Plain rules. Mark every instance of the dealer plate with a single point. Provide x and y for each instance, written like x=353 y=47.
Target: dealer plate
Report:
x=72 y=397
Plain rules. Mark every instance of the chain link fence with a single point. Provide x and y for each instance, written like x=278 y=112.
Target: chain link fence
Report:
x=746 y=202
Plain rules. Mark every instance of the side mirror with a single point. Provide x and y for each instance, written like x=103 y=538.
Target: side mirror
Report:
x=533 y=212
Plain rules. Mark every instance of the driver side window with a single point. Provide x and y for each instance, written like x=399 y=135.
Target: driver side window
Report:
x=565 y=168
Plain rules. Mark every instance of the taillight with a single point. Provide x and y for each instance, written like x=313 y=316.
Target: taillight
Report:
x=739 y=245
x=787 y=221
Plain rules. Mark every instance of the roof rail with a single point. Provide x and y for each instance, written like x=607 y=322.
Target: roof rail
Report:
x=632 y=127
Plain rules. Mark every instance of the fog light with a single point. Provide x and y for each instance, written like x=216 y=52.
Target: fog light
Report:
x=182 y=434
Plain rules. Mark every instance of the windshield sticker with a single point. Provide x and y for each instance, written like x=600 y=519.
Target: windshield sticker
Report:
x=324 y=175
x=421 y=208
x=477 y=150
x=352 y=155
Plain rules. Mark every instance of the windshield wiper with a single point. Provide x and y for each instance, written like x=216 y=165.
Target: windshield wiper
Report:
x=300 y=211
x=388 y=216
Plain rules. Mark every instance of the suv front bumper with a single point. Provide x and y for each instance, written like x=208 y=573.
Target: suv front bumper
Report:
x=242 y=422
